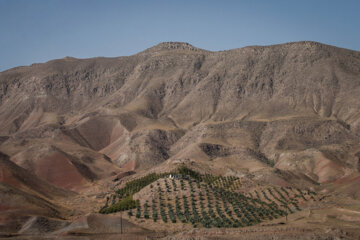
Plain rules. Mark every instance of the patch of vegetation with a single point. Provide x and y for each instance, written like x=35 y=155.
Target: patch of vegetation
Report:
x=124 y=195
x=208 y=201
x=124 y=204
x=136 y=185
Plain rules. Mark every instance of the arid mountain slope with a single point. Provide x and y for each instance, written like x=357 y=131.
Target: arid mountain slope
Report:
x=17 y=177
x=273 y=116
x=24 y=195
x=295 y=106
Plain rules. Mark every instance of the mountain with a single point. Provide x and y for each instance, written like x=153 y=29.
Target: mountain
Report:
x=286 y=115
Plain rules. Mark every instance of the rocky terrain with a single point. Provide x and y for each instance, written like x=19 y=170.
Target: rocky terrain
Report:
x=74 y=130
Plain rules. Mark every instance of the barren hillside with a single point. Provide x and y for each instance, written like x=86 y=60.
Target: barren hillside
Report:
x=286 y=115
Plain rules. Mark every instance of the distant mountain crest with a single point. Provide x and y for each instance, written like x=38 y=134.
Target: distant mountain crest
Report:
x=165 y=46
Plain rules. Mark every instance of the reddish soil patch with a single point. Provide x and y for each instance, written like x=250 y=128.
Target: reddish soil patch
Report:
x=59 y=170
x=130 y=166
x=114 y=150
x=327 y=170
x=347 y=180
x=7 y=177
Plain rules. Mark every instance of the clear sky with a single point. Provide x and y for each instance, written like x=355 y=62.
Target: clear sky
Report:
x=41 y=30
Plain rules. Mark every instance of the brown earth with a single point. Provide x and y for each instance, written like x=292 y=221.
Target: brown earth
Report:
x=271 y=115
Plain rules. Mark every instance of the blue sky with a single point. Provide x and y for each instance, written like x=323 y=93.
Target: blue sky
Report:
x=41 y=30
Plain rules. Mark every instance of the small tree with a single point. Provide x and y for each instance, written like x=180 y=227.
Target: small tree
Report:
x=138 y=212
x=130 y=213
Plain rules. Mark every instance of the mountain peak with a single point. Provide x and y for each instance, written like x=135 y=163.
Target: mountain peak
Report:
x=166 y=46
